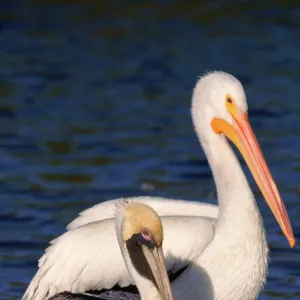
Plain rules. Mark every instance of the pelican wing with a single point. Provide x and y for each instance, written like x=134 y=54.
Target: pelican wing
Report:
x=89 y=258
x=163 y=206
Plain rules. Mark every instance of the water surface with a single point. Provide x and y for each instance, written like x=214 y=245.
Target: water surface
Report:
x=95 y=104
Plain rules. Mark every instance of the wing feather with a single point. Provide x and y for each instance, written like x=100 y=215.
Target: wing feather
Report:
x=163 y=206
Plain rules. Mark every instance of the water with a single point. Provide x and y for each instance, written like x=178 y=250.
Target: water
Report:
x=95 y=102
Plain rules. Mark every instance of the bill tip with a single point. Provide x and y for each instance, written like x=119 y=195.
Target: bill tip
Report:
x=292 y=242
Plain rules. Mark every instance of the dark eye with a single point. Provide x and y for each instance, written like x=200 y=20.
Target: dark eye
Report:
x=229 y=100
x=146 y=234
x=146 y=238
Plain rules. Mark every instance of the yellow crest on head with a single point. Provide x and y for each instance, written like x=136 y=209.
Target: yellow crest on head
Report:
x=139 y=216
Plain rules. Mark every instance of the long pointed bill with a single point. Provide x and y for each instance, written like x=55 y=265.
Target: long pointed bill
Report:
x=242 y=135
x=156 y=261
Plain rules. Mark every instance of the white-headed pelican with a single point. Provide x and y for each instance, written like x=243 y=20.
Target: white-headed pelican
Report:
x=211 y=252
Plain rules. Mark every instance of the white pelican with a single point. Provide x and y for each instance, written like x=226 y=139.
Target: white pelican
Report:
x=215 y=252
x=140 y=236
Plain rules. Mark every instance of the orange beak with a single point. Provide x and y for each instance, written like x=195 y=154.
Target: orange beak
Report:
x=242 y=135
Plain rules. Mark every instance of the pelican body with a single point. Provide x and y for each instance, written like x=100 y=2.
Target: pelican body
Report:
x=220 y=252
x=140 y=236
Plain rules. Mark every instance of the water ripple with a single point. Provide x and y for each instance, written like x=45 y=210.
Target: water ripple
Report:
x=95 y=103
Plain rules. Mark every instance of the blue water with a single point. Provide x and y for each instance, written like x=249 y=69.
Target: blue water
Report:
x=95 y=104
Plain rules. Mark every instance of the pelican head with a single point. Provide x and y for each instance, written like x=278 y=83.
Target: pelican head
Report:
x=140 y=235
x=219 y=109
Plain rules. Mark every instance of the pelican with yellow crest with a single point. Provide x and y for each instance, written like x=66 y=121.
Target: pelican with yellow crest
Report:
x=212 y=252
x=140 y=236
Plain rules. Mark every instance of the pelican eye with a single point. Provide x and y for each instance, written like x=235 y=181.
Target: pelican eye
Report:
x=229 y=100
x=146 y=238
x=146 y=234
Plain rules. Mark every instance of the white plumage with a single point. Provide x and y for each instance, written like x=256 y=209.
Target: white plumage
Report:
x=96 y=261
x=224 y=247
x=131 y=220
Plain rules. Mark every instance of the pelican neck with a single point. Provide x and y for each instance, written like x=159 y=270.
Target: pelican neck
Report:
x=233 y=191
